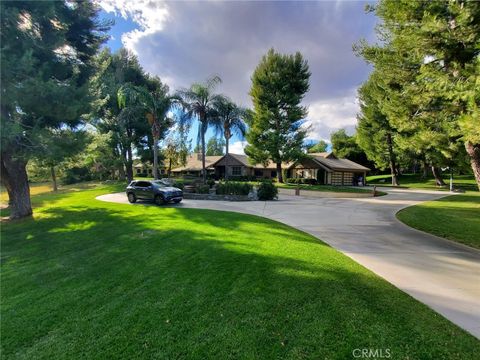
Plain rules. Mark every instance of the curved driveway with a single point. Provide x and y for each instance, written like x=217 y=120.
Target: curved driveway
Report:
x=440 y=273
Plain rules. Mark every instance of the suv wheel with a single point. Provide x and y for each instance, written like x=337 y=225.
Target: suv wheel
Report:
x=131 y=198
x=159 y=200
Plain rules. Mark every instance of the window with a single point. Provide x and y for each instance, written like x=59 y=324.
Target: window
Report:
x=236 y=170
x=258 y=173
x=142 y=184
x=273 y=174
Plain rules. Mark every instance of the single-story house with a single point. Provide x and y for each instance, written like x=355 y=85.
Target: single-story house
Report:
x=146 y=170
x=326 y=168
x=193 y=166
x=330 y=170
x=239 y=165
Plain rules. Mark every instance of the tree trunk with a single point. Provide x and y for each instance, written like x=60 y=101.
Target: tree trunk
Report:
x=227 y=139
x=393 y=166
x=129 y=163
x=169 y=170
x=121 y=173
x=437 y=174
x=204 y=170
x=425 y=169
x=15 y=179
x=279 y=172
x=473 y=152
x=54 y=178
x=155 y=158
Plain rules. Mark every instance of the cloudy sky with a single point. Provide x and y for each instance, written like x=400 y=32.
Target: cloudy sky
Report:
x=188 y=41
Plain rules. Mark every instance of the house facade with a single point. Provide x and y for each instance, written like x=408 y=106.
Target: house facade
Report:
x=326 y=168
x=146 y=170
x=238 y=165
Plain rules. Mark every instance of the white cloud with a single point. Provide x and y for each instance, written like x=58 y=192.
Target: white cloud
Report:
x=184 y=42
x=237 y=147
x=150 y=15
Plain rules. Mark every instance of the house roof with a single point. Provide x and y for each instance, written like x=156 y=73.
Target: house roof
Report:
x=194 y=163
x=325 y=159
x=330 y=161
x=147 y=166
x=243 y=159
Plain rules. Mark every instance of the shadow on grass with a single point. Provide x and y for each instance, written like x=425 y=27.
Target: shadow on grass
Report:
x=144 y=282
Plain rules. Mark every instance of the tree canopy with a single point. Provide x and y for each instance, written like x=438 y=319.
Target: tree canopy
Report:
x=47 y=51
x=427 y=63
x=275 y=133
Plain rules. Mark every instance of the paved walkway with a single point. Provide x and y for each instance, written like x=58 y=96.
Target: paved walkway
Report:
x=440 y=273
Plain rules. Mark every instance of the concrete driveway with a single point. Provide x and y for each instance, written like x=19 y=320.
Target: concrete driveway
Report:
x=440 y=273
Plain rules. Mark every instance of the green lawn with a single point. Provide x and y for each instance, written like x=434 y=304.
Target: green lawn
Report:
x=465 y=182
x=89 y=279
x=455 y=217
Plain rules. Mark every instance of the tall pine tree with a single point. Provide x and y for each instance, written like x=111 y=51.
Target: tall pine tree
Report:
x=46 y=55
x=279 y=84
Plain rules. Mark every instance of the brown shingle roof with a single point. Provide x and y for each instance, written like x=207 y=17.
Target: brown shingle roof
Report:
x=243 y=159
x=331 y=161
x=194 y=163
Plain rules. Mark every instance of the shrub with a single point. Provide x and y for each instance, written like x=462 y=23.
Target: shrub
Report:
x=211 y=182
x=179 y=185
x=233 y=188
x=267 y=190
x=202 y=189
x=243 y=178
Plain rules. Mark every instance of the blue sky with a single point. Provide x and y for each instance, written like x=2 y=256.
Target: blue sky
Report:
x=185 y=42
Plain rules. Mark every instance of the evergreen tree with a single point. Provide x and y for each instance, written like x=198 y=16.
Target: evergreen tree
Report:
x=346 y=146
x=128 y=127
x=46 y=56
x=375 y=135
x=317 y=147
x=215 y=147
x=437 y=44
x=279 y=84
x=154 y=106
x=58 y=146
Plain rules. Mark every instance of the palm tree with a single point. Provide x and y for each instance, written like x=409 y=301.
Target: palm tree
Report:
x=199 y=102
x=156 y=106
x=230 y=121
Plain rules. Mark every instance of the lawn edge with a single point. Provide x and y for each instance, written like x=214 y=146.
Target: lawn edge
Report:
x=456 y=243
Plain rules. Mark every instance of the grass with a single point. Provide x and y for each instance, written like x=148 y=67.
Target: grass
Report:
x=89 y=279
x=414 y=181
x=46 y=187
x=455 y=217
